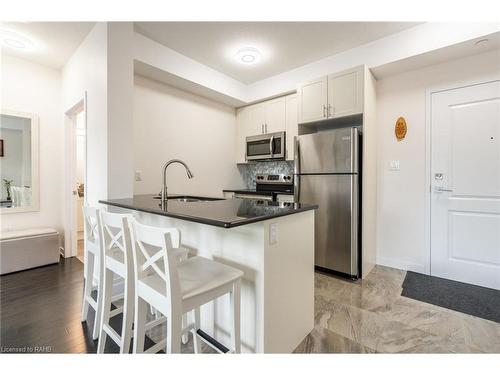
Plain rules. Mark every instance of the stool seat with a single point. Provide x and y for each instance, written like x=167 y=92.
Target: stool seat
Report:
x=197 y=275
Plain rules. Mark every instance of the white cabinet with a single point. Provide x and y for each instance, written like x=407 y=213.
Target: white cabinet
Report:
x=313 y=97
x=275 y=113
x=336 y=95
x=291 y=125
x=345 y=93
x=261 y=118
x=244 y=129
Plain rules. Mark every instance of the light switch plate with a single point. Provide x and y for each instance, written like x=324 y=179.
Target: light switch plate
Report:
x=273 y=233
x=394 y=165
x=138 y=175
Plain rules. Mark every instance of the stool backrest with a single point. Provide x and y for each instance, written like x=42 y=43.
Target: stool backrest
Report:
x=151 y=246
x=91 y=225
x=116 y=235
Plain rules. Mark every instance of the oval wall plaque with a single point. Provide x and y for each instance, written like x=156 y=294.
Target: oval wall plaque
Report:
x=400 y=129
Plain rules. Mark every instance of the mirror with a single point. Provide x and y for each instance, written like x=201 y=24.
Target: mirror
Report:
x=19 y=190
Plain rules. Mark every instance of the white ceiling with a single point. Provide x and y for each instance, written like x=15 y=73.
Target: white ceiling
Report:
x=284 y=45
x=53 y=42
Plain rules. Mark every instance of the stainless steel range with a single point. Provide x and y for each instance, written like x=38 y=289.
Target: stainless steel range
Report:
x=268 y=187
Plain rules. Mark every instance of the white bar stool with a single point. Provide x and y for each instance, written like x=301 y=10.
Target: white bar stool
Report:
x=118 y=260
x=177 y=288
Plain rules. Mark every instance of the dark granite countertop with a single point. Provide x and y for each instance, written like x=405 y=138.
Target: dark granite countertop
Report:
x=226 y=213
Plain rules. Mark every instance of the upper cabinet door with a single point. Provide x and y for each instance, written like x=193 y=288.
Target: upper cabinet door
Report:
x=275 y=115
x=243 y=127
x=345 y=93
x=258 y=119
x=291 y=125
x=312 y=100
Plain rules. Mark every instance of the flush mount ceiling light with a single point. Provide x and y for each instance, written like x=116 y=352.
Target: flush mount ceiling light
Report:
x=14 y=40
x=248 y=55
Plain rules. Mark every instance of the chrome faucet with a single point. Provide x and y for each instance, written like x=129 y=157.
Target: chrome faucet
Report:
x=164 y=195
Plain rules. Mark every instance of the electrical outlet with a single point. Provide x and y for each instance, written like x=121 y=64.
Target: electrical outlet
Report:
x=273 y=233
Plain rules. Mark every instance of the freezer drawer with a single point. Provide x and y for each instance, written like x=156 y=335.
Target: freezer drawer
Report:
x=336 y=220
x=333 y=151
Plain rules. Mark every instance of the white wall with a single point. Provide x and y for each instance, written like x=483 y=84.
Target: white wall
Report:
x=33 y=88
x=170 y=123
x=86 y=71
x=402 y=195
x=120 y=96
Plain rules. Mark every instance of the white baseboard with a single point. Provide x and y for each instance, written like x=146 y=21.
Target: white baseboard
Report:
x=402 y=265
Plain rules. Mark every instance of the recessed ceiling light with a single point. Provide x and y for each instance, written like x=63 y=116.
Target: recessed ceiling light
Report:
x=248 y=55
x=481 y=42
x=15 y=40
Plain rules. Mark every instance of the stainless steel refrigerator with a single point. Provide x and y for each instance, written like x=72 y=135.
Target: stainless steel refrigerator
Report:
x=327 y=173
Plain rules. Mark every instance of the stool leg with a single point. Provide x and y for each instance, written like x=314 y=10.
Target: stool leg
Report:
x=185 y=336
x=235 y=311
x=196 y=338
x=128 y=315
x=107 y=290
x=98 y=312
x=174 y=331
x=87 y=289
x=139 y=324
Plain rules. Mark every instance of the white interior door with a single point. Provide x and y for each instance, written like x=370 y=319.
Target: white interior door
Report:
x=465 y=179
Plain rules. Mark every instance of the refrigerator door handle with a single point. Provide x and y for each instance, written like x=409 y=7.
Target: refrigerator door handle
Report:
x=296 y=157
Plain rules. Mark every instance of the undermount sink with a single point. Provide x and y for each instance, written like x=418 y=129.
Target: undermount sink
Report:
x=190 y=198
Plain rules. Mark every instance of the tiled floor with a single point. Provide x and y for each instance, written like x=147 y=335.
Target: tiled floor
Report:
x=371 y=316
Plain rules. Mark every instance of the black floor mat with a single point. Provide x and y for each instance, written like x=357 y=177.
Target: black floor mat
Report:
x=466 y=298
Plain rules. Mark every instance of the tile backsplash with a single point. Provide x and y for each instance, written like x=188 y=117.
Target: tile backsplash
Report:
x=248 y=171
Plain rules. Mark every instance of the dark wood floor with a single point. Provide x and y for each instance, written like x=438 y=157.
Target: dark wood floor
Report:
x=40 y=311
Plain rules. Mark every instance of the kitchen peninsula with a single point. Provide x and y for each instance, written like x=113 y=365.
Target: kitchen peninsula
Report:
x=271 y=242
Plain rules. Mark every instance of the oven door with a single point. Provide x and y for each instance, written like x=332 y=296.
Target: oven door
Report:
x=266 y=146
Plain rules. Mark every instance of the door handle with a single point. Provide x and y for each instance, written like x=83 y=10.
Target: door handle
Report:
x=439 y=189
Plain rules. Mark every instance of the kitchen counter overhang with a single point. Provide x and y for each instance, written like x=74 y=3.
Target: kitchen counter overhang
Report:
x=226 y=213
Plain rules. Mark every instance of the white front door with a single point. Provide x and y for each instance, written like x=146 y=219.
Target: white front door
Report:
x=465 y=184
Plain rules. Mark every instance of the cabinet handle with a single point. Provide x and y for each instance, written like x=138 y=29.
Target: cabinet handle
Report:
x=265 y=127
x=262 y=128
x=330 y=110
x=324 y=110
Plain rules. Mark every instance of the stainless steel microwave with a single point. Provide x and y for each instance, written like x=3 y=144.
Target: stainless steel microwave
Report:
x=266 y=146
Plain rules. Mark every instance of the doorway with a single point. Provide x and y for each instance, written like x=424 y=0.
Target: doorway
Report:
x=79 y=183
x=76 y=157
x=465 y=184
